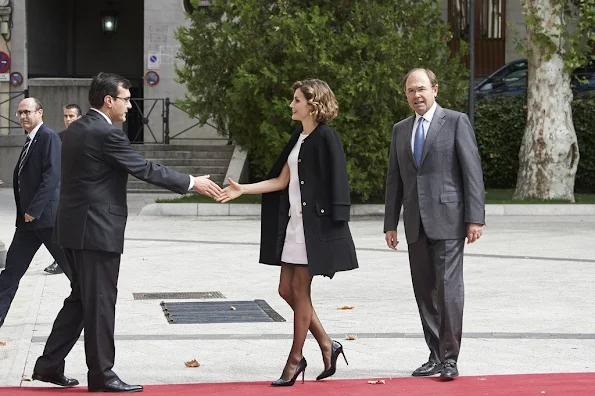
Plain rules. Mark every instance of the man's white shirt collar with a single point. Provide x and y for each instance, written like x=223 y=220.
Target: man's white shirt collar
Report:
x=104 y=116
x=429 y=114
x=34 y=131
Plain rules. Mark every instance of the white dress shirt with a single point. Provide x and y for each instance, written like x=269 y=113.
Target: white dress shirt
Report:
x=427 y=120
x=31 y=136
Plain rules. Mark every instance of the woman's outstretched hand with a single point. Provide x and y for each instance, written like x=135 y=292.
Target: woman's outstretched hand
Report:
x=230 y=192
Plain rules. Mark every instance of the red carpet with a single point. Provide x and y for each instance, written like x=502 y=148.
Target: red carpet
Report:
x=575 y=384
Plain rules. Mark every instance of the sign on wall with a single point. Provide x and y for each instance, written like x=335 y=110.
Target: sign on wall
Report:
x=16 y=79
x=4 y=62
x=153 y=60
x=151 y=78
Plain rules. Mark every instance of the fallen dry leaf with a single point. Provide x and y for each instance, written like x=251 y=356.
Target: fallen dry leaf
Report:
x=345 y=307
x=192 y=363
x=232 y=308
x=27 y=378
x=351 y=337
x=377 y=382
x=3 y=343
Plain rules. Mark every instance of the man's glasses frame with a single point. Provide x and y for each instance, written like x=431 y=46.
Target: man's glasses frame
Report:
x=126 y=100
x=25 y=113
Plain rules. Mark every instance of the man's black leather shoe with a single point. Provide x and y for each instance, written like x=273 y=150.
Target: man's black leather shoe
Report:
x=61 y=380
x=53 y=269
x=117 y=386
x=449 y=371
x=427 y=369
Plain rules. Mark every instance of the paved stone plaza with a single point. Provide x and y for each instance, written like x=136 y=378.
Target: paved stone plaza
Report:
x=529 y=302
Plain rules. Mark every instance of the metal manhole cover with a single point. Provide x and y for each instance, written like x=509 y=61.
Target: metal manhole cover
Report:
x=219 y=312
x=178 y=295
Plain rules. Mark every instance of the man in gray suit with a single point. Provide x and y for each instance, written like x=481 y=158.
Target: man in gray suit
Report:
x=435 y=174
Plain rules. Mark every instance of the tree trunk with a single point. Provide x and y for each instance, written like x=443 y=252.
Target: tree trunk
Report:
x=549 y=151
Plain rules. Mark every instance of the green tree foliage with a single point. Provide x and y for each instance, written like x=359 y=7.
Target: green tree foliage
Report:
x=239 y=60
x=575 y=29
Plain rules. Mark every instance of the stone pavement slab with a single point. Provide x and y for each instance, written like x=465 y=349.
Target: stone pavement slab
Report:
x=529 y=303
x=231 y=209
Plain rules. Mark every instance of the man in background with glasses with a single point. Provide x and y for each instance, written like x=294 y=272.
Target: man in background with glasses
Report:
x=36 y=186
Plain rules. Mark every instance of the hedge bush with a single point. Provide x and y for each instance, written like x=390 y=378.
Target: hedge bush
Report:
x=499 y=127
x=239 y=60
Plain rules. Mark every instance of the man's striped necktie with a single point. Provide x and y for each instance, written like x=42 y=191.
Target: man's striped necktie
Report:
x=24 y=154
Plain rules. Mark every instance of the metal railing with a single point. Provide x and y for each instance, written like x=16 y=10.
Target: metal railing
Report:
x=160 y=131
x=12 y=124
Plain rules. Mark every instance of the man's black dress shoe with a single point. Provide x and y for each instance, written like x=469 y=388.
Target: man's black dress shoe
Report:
x=56 y=379
x=449 y=371
x=427 y=369
x=53 y=269
x=117 y=386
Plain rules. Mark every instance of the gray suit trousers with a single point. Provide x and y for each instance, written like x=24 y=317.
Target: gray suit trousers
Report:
x=437 y=275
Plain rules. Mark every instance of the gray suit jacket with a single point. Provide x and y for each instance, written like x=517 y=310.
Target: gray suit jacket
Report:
x=447 y=190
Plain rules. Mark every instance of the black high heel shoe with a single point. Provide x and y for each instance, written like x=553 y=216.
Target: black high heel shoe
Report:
x=336 y=350
x=300 y=369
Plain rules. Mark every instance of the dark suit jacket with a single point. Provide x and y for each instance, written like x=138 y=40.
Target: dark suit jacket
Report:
x=96 y=160
x=37 y=188
x=447 y=190
x=324 y=188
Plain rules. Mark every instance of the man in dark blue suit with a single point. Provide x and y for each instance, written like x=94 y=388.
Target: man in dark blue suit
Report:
x=36 y=184
x=97 y=158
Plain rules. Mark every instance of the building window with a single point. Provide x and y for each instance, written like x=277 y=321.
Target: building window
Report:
x=459 y=10
x=488 y=18
x=490 y=22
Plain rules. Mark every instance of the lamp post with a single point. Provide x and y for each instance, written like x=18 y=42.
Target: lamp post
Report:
x=471 y=102
x=109 y=22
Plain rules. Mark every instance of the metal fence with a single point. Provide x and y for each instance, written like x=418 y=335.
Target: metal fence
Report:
x=12 y=96
x=155 y=114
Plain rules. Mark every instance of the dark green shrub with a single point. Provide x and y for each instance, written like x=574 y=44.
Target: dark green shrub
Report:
x=583 y=115
x=238 y=70
x=499 y=127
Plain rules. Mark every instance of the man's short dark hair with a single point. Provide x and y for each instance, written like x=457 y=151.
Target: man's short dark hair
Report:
x=104 y=84
x=76 y=107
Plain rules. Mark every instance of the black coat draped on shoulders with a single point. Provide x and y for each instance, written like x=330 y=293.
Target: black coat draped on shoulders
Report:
x=326 y=204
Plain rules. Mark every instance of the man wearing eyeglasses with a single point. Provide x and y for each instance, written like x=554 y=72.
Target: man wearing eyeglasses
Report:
x=36 y=185
x=435 y=174
x=97 y=158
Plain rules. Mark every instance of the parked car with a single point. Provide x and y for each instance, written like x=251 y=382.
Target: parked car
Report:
x=511 y=80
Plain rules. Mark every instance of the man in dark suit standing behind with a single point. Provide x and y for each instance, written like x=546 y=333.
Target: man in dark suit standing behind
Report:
x=435 y=173
x=36 y=184
x=96 y=161
x=72 y=112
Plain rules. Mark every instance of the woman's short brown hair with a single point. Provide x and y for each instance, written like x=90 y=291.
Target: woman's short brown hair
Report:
x=321 y=99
